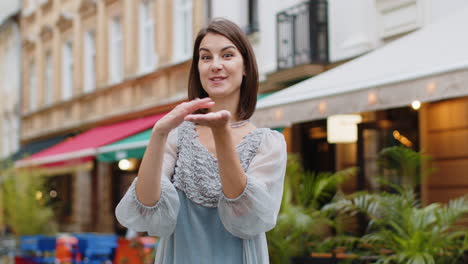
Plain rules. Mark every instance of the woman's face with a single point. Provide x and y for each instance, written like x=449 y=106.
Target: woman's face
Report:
x=221 y=66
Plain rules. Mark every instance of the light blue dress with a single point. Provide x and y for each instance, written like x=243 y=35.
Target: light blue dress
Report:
x=196 y=223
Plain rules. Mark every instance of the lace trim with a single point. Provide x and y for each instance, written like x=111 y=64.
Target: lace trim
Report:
x=144 y=209
x=196 y=172
x=247 y=188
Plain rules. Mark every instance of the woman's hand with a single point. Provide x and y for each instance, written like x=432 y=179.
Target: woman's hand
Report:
x=212 y=120
x=175 y=117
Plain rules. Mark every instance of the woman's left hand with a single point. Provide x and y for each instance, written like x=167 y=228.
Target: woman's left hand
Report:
x=213 y=120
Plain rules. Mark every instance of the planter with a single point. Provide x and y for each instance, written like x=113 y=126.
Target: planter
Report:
x=326 y=258
x=311 y=260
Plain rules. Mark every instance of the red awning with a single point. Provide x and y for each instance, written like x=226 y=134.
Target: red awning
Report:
x=84 y=146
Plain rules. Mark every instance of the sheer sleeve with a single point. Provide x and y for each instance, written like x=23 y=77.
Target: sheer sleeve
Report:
x=159 y=219
x=256 y=209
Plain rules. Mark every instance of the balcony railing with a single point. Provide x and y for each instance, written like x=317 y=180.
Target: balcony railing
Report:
x=302 y=34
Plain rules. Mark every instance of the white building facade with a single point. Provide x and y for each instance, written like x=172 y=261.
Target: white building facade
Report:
x=354 y=26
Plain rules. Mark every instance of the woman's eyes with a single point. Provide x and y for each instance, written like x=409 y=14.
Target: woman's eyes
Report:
x=226 y=55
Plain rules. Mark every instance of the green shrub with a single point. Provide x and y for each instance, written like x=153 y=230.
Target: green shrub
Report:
x=25 y=201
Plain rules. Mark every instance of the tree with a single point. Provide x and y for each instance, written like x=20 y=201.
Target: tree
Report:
x=25 y=201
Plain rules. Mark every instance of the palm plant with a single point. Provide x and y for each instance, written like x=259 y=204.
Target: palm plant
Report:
x=414 y=234
x=398 y=222
x=300 y=221
x=405 y=164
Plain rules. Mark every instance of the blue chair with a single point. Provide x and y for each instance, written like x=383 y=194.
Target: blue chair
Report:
x=46 y=248
x=29 y=249
x=95 y=248
x=81 y=248
x=101 y=248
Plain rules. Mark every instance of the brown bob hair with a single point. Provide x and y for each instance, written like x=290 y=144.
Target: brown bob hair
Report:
x=249 y=85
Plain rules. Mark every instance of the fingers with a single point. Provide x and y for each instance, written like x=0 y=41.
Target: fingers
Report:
x=198 y=103
x=221 y=116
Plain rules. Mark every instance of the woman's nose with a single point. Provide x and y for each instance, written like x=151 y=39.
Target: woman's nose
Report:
x=216 y=64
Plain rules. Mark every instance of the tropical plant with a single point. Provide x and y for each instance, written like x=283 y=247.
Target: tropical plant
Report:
x=406 y=164
x=414 y=234
x=396 y=222
x=24 y=200
x=300 y=222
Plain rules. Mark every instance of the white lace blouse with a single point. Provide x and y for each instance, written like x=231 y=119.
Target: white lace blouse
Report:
x=196 y=223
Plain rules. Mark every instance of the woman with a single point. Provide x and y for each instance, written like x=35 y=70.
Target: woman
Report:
x=216 y=187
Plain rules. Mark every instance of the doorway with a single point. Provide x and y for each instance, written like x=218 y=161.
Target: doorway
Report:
x=317 y=154
x=395 y=127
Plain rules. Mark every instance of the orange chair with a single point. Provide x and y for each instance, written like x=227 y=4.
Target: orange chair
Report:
x=64 y=250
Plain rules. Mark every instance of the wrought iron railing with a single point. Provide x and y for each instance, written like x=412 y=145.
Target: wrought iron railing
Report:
x=302 y=34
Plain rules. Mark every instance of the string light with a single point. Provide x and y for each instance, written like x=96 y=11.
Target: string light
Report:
x=124 y=164
x=416 y=105
x=38 y=195
x=402 y=139
x=322 y=107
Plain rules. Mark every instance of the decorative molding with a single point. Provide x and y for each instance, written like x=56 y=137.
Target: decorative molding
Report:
x=64 y=21
x=45 y=4
x=29 y=42
x=29 y=13
x=108 y=2
x=399 y=16
x=46 y=32
x=87 y=7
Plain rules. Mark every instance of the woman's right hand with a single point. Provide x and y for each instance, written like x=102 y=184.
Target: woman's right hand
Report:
x=175 y=117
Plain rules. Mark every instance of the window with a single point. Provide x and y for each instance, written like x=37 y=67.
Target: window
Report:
x=183 y=29
x=90 y=61
x=48 y=80
x=116 y=51
x=207 y=11
x=147 y=49
x=32 y=87
x=252 y=22
x=67 y=70
x=31 y=4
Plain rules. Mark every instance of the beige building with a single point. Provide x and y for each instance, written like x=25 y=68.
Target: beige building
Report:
x=90 y=63
x=10 y=56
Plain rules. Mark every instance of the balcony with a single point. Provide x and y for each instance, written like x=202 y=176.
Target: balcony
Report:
x=302 y=35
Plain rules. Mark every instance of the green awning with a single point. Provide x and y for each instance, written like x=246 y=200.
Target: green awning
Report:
x=279 y=129
x=262 y=96
x=131 y=147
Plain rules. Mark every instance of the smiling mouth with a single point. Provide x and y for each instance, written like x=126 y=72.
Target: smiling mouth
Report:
x=217 y=79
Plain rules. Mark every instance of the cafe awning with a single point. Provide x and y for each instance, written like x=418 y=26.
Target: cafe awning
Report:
x=37 y=146
x=83 y=147
x=131 y=147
